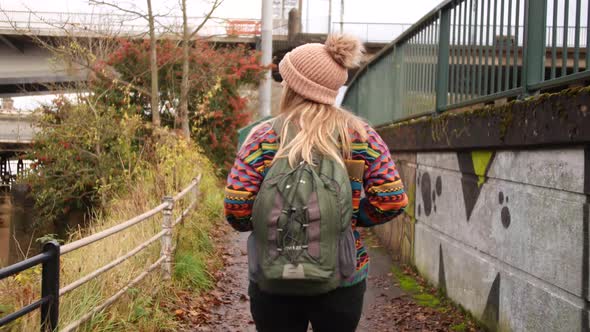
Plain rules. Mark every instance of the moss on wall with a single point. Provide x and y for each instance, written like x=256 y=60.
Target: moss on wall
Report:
x=550 y=118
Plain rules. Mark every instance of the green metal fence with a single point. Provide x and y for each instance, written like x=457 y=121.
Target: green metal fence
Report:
x=467 y=52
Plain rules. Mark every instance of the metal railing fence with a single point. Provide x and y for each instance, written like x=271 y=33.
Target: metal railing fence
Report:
x=370 y=31
x=17 y=127
x=49 y=301
x=52 y=251
x=467 y=52
x=102 y=23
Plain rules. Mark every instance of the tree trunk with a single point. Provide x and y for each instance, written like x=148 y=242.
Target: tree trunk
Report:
x=155 y=102
x=184 y=86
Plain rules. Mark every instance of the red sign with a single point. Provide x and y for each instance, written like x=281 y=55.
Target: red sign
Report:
x=243 y=27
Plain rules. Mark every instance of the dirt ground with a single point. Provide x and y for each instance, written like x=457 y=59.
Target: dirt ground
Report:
x=386 y=307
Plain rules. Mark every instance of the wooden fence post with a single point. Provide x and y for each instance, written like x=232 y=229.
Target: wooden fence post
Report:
x=195 y=190
x=166 y=250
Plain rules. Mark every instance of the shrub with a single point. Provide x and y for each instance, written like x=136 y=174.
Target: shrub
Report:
x=82 y=156
x=215 y=108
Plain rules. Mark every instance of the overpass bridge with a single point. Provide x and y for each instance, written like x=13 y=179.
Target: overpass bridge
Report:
x=16 y=136
x=485 y=106
x=28 y=68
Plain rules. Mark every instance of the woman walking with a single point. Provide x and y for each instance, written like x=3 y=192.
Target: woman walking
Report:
x=296 y=184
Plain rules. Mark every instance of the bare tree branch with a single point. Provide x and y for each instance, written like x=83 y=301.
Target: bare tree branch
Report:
x=145 y=16
x=117 y=7
x=183 y=118
x=215 y=5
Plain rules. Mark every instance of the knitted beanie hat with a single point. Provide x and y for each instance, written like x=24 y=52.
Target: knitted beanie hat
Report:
x=317 y=71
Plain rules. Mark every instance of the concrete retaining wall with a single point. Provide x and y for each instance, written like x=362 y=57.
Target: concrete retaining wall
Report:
x=504 y=232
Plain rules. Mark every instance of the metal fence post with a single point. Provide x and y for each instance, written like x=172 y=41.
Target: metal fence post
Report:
x=166 y=250
x=533 y=69
x=50 y=287
x=398 y=83
x=442 y=66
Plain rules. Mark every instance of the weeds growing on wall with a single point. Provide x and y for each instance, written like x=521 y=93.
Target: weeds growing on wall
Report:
x=432 y=303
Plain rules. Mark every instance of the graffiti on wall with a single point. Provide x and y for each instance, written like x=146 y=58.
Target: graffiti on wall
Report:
x=500 y=202
x=474 y=167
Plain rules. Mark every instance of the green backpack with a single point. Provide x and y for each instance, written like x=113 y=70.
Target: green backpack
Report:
x=302 y=242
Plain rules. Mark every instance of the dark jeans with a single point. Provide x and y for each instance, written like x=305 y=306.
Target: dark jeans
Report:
x=337 y=311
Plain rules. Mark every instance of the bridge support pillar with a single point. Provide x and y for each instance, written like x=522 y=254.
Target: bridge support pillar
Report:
x=4 y=170
x=20 y=166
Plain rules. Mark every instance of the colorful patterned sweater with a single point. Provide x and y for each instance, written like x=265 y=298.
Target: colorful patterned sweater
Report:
x=371 y=168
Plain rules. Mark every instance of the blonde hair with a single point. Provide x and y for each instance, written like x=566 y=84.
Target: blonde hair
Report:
x=319 y=129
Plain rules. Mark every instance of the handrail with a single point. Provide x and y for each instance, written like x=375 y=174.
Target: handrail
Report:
x=190 y=187
x=184 y=213
x=49 y=302
x=47 y=22
x=113 y=230
x=23 y=265
x=112 y=264
x=23 y=311
x=40 y=13
x=75 y=324
x=370 y=23
x=464 y=52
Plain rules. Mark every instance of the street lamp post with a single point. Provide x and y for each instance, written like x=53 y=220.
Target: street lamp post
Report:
x=341 y=16
x=266 y=48
x=330 y=16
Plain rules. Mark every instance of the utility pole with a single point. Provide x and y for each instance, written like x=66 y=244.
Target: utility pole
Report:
x=282 y=14
x=330 y=16
x=307 y=17
x=266 y=47
x=341 y=16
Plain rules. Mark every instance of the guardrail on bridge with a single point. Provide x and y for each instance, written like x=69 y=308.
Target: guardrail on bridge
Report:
x=467 y=52
x=371 y=31
x=52 y=251
x=110 y=24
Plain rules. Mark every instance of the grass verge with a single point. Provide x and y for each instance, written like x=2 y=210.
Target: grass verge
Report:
x=146 y=306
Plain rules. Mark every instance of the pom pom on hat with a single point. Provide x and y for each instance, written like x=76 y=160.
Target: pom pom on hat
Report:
x=345 y=50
